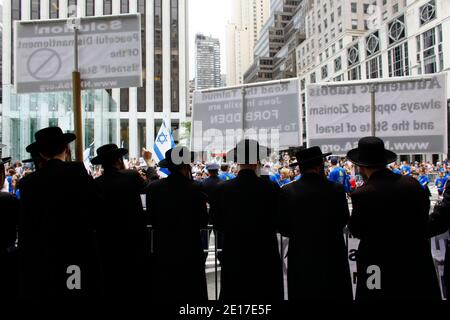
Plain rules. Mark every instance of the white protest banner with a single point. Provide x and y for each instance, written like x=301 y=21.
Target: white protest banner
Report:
x=109 y=53
x=411 y=114
x=271 y=116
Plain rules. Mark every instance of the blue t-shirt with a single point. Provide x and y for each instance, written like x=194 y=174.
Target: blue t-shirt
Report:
x=406 y=170
x=225 y=176
x=397 y=171
x=423 y=180
x=339 y=175
x=440 y=183
x=10 y=186
x=274 y=179
x=285 y=181
x=447 y=176
x=296 y=178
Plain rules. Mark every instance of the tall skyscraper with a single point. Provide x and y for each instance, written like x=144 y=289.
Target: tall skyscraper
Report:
x=207 y=62
x=129 y=117
x=242 y=33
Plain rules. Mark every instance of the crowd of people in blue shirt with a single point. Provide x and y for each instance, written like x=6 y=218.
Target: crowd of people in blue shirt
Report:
x=338 y=170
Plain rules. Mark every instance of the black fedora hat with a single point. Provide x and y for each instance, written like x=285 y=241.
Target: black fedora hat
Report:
x=248 y=151
x=371 y=153
x=51 y=136
x=5 y=160
x=308 y=155
x=177 y=157
x=108 y=152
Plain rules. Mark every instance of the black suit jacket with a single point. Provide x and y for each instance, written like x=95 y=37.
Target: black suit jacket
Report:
x=9 y=216
x=177 y=210
x=59 y=212
x=244 y=211
x=313 y=213
x=123 y=235
x=390 y=217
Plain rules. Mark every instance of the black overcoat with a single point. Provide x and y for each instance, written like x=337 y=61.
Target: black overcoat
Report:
x=313 y=213
x=123 y=236
x=390 y=217
x=244 y=211
x=9 y=216
x=57 y=231
x=177 y=210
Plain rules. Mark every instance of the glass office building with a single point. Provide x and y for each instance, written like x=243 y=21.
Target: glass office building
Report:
x=129 y=117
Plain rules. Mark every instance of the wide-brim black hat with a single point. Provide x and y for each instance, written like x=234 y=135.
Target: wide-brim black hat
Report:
x=51 y=136
x=248 y=151
x=309 y=155
x=177 y=157
x=371 y=153
x=5 y=160
x=108 y=152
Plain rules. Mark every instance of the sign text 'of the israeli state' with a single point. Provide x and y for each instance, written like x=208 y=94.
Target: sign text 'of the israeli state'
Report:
x=109 y=53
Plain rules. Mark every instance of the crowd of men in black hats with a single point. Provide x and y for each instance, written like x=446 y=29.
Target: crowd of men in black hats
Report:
x=84 y=238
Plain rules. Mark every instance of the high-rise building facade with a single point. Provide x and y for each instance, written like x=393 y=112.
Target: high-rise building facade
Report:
x=242 y=34
x=401 y=38
x=207 y=62
x=129 y=117
x=274 y=51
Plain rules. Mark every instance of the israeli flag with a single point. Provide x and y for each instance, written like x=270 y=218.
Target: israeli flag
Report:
x=163 y=142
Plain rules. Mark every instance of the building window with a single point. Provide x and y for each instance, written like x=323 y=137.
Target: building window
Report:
x=354 y=7
x=366 y=8
x=398 y=61
x=353 y=55
x=90 y=8
x=354 y=24
x=107 y=7
x=158 y=103
x=142 y=135
x=395 y=8
x=124 y=100
x=396 y=30
x=72 y=10
x=339 y=11
x=427 y=12
x=354 y=74
x=312 y=78
x=53 y=9
x=112 y=131
x=374 y=68
x=141 y=91
x=15 y=15
x=430 y=55
x=372 y=44
x=124 y=6
x=337 y=64
x=124 y=133
x=174 y=57
x=35 y=8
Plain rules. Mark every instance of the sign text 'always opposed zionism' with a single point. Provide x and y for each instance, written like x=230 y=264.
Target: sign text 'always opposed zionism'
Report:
x=411 y=115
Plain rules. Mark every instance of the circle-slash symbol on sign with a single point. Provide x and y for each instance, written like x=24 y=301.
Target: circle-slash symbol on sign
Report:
x=44 y=64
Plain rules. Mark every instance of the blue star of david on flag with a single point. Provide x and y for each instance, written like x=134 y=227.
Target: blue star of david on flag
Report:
x=163 y=142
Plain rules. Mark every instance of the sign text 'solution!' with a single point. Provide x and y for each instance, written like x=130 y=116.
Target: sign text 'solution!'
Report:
x=109 y=54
